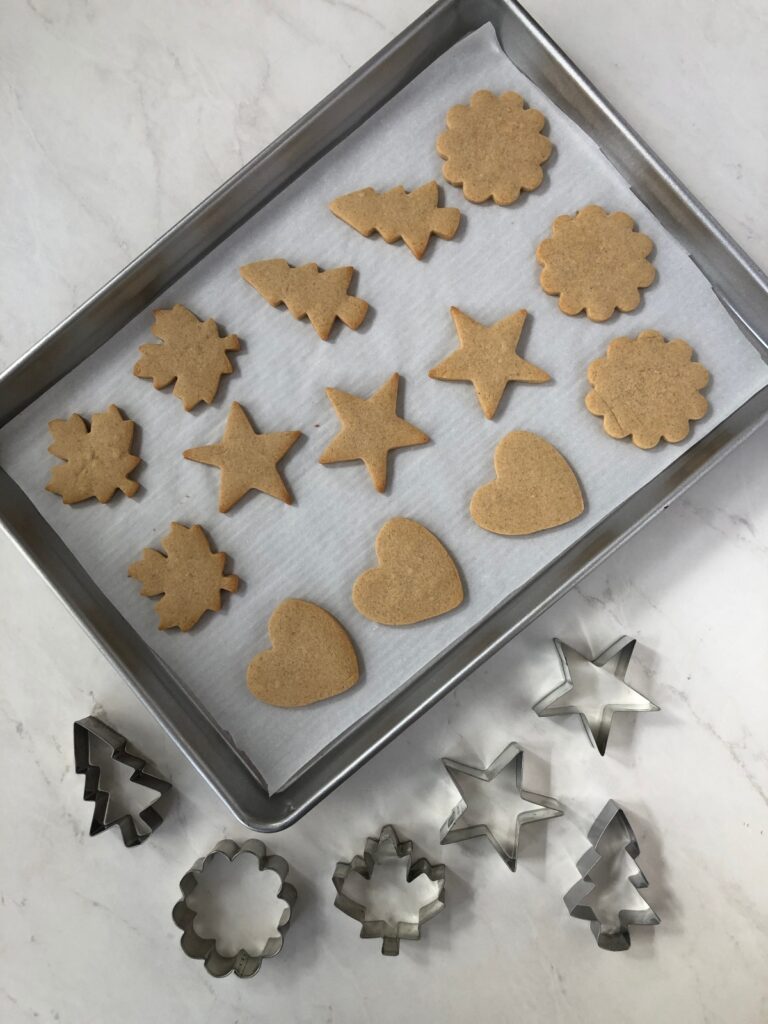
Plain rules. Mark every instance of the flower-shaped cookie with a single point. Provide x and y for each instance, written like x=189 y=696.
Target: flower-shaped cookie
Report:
x=647 y=387
x=494 y=147
x=595 y=261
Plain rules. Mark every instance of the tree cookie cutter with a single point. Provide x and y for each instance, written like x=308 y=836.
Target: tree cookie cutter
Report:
x=511 y=759
x=611 y=932
x=243 y=963
x=88 y=729
x=387 y=846
x=596 y=719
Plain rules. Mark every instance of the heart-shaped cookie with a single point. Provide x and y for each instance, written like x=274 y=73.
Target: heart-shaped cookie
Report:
x=535 y=488
x=311 y=658
x=416 y=579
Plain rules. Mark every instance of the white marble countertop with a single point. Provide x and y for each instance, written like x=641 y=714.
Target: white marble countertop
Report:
x=116 y=119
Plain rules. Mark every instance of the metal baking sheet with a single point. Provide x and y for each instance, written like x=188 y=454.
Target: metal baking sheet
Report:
x=199 y=727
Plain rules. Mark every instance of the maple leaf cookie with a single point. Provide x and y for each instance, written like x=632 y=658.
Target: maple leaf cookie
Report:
x=190 y=576
x=595 y=261
x=648 y=388
x=97 y=460
x=191 y=352
x=494 y=148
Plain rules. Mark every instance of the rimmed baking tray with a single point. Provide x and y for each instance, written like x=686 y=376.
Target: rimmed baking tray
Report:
x=737 y=282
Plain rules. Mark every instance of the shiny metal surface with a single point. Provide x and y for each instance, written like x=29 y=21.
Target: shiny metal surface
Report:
x=740 y=286
x=243 y=964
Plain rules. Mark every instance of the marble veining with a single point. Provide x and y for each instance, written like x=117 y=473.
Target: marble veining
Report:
x=116 y=118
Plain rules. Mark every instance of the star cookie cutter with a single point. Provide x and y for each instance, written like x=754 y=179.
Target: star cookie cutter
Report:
x=88 y=729
x=388 y=846
x=197 y=947
x=610 y=932
x=598 y=718
x=511 y=758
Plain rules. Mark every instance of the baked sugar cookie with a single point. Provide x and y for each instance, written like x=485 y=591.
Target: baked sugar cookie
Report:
x=416 y=578
x=320 y=295
x=648 y=388
x=535 y=488
x=190 y=576
x=413 y=216
x=370 y=430
x=494 y=148
x=487 y=358
x=595 y=261
x=97 y=459
x=312 y=657
x=247 y=460
x=190 y=352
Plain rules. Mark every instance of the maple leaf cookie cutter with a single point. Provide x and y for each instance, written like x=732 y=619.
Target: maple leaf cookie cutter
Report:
x=597 y=727
x=197 y=947
x=92 y=728
x=542 y=807
x=390 y=932
x=613 y=935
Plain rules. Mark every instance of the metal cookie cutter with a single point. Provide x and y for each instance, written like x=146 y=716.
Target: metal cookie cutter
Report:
x=581 y=673
x=243 y=963
x=93 y=728
x=610 y=929
x=387 y=846
x=509 y=759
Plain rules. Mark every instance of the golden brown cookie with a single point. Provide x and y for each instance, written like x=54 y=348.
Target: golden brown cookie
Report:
x=247 y=460
x=320 y=295
x=535 y=488
x=487 y=357
x=595 y=261
x=370 y=430
x=190 y=577
x=647 y=387
x=312 y=657
x=416 y=578
x=413 y=216
x=190 y=352
x=494 y=148
x=97 y=460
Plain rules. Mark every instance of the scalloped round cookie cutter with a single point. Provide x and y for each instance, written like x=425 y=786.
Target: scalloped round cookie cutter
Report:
x=243 y=964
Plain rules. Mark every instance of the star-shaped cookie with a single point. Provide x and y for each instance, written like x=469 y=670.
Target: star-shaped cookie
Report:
x=247 y=460
x=370 y=430
x=487 y=357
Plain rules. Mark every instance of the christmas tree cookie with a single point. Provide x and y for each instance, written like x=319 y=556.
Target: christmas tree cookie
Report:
x=320 y=295
x=413 y=216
